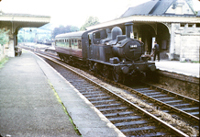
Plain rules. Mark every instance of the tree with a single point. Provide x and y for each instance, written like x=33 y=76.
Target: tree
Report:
x=90 y=22
x=62 y=29
x=20 y=38
x=4 y=36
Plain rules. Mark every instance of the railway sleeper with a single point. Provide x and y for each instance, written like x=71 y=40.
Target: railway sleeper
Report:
x=118 y=114
x=125 y=118
x=102 y=101
x=153 y=93
x=172 y=101
x=157 y=134
x=166 y=98
x=95 y=94
x=146 y=91
x=194 y=113
x=131 y=123
x=86 y=87
x=190 y=109
x=108 y=105
x=88 y=92
x=181 y=105
x=159 y=95
x=112 y=109
x=99 y=98
x=141 y=89
x=138 y=129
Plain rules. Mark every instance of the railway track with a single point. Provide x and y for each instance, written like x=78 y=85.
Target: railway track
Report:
x=129 y=116
x=174 y=102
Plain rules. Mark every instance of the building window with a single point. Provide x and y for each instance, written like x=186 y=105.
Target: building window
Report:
x=198 y=25
x=182 y=25
x=190 y=25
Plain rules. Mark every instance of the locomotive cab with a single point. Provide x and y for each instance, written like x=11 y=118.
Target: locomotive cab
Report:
x=97 y=50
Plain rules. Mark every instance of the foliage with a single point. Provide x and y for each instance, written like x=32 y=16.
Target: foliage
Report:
x=4 y=36
x=61 y=29
x=20 y=38
x=90 y=22
x=3 y=61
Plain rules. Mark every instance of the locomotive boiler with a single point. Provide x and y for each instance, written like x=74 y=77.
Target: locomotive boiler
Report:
x=106 y=51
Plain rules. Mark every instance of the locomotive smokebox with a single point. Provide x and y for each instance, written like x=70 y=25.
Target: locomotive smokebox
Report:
x=129 y=29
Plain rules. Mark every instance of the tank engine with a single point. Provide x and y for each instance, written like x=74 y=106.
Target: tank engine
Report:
x=107 y=52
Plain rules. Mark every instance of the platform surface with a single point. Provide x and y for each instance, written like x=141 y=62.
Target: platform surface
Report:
x=30 y=91
x=185 y=68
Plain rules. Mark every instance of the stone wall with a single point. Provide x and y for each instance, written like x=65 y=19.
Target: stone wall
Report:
x=185 y=42
x=190 y=47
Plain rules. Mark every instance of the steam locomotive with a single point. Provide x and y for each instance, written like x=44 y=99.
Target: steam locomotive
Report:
x=105 y=51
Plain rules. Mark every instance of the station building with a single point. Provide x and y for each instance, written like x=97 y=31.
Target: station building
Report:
x=172 y=23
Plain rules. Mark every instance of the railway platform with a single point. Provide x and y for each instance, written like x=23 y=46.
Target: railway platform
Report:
x=185 y=68
x=34 y=100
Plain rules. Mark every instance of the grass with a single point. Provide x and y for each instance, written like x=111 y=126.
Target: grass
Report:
x=190 y=61
x=3 y=61
x=64 y=108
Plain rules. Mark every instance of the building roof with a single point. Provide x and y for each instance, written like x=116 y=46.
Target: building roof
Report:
x=142 y=9
x=162 y=11
x=157 y=7
x=23 y=17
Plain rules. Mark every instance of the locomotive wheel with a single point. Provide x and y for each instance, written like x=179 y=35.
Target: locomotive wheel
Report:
x=65 y=59
x=106 y=71
x=90 y=66
x=116 y=76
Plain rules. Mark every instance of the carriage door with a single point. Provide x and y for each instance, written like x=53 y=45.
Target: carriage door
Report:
x=90 y=50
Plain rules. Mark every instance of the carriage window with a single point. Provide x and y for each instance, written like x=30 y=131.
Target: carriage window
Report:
x=60 y=43
x=72 y=43
x=67 y=43
x=79 y=44
x=76 y=44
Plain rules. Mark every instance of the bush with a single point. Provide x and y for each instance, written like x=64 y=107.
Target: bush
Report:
x=4 y=36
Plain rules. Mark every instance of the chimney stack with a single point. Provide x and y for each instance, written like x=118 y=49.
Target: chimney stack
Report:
x=129 y=29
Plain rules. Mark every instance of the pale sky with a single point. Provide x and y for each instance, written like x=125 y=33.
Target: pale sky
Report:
x=72 y=12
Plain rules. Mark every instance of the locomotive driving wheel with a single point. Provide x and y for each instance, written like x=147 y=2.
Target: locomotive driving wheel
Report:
x=118 y=76
x=106 y=71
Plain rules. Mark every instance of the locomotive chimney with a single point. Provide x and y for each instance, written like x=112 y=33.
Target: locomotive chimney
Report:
x=129 y=29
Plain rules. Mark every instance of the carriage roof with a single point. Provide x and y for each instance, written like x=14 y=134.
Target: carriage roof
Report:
x=70 y=35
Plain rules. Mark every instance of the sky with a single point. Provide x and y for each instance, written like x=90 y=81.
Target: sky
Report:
x=72 y=12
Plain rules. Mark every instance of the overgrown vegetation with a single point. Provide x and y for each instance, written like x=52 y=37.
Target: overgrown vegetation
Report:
x=4 y=36
x=64 y=108
x=3 y=61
